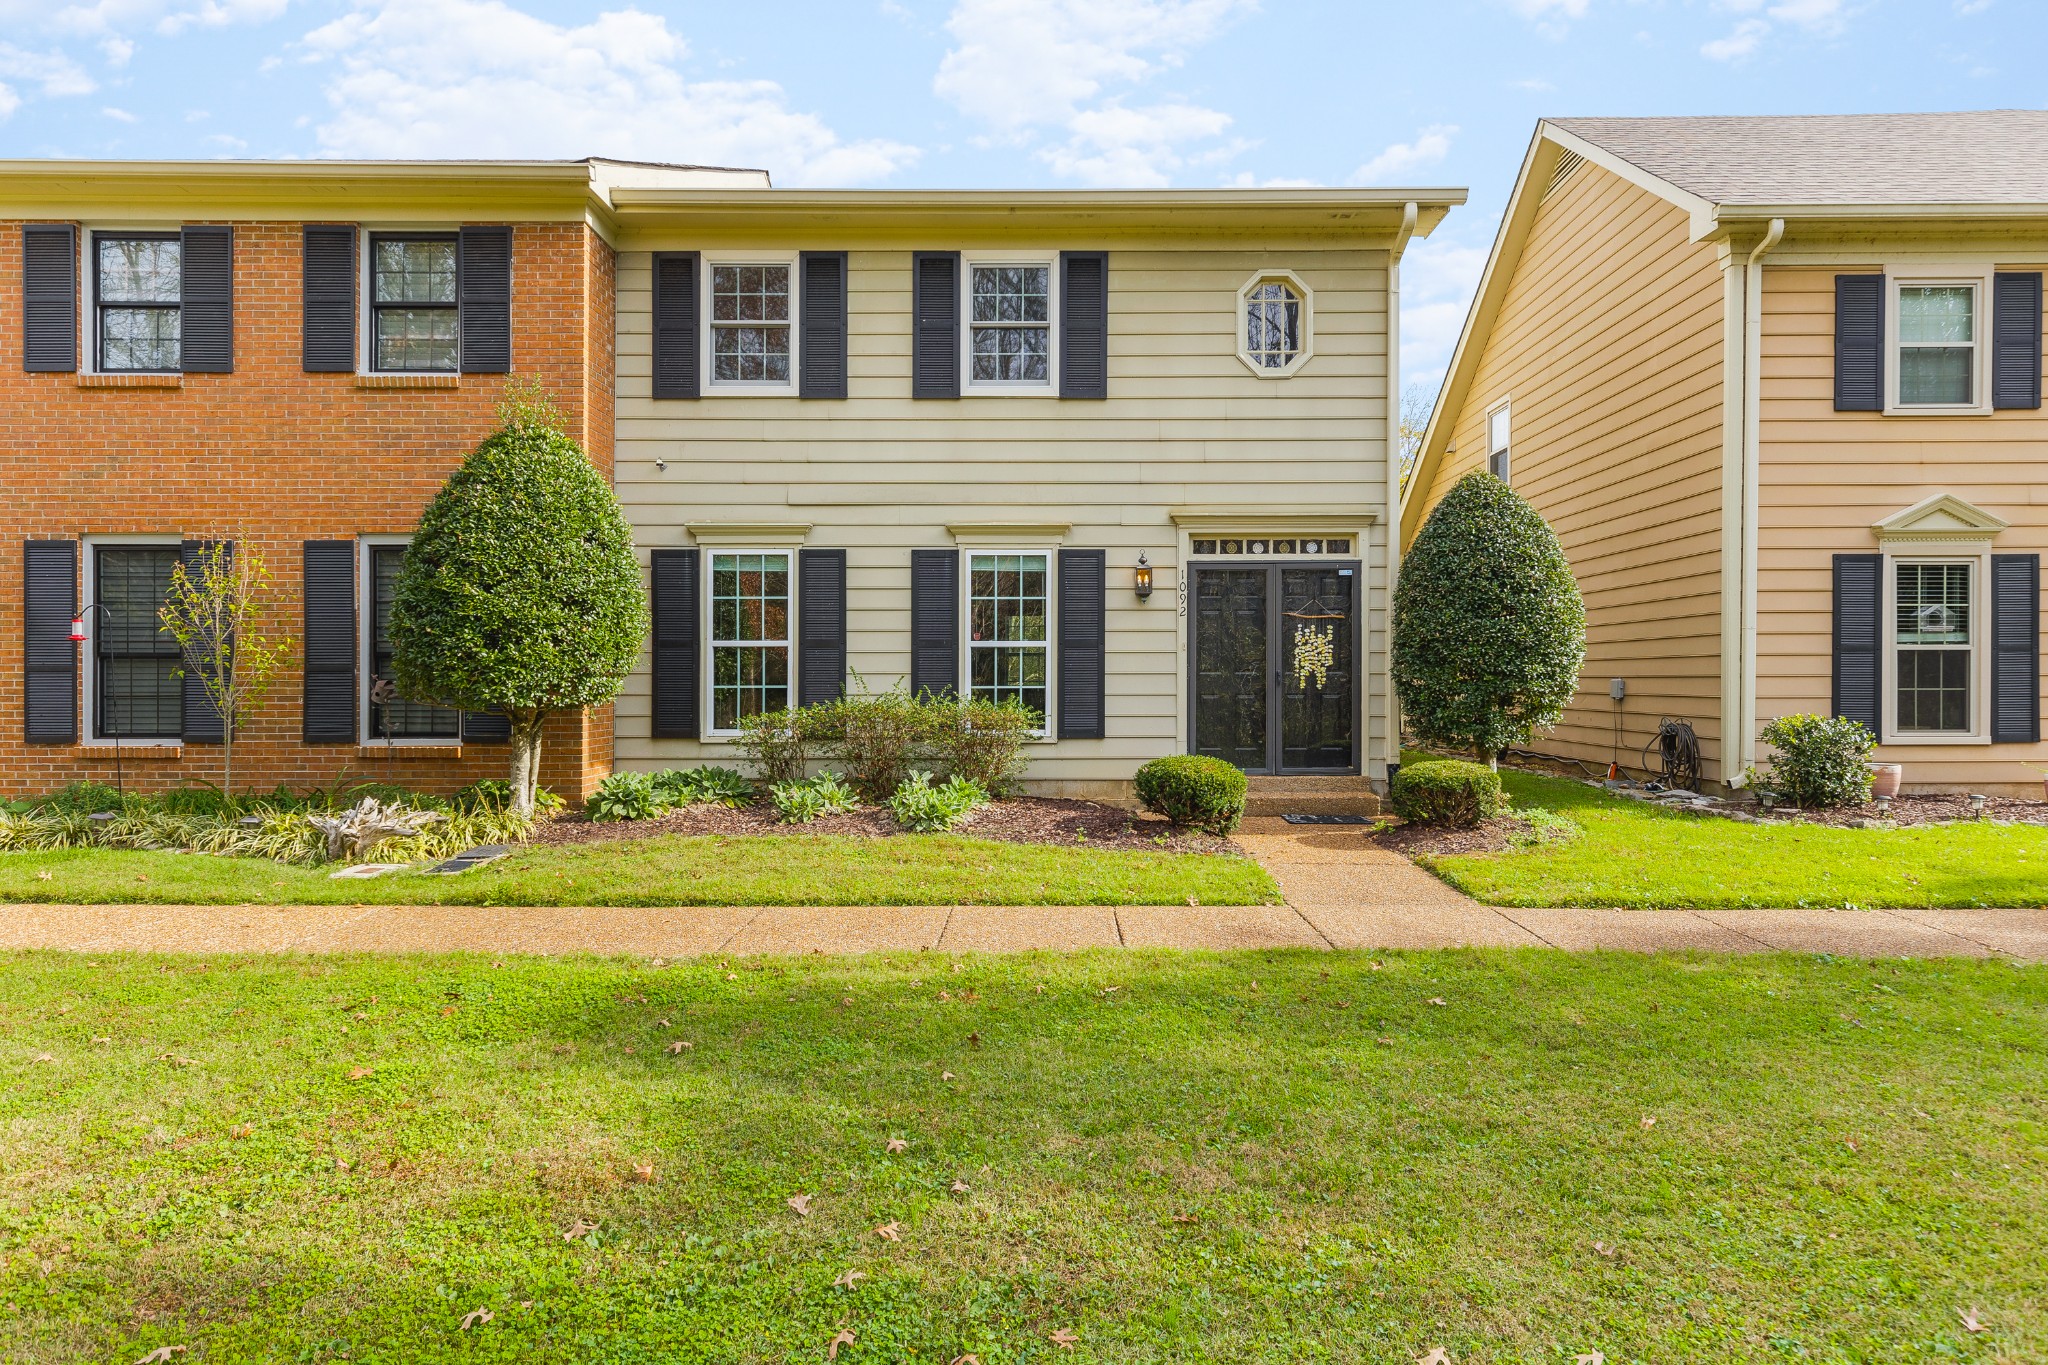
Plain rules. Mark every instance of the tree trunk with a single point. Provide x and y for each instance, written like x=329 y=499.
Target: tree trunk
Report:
x=526 y=735
x=227 y=762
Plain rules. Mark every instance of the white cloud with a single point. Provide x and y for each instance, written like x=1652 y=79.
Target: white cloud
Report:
x=1545 y=9
x=1026 y=69
x=479 y=78
x=52 y=73
x=1431 y=146
x=119 y=115
x=1737 y=44
x=1245 y=180
x=1438 y=276
x=221 y=13
x=1823 y=18
x=1534 y=85
x=1972 y=6
x=9 y=101
x=116 y=49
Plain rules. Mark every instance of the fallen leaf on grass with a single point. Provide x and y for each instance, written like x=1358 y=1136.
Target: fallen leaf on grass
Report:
x=340 y=1165
x=945 y=1075
x=678 y=1047
x=102 y=1040
x=244 y=1131
x=1186 y=1218
x=1039 y=989
x=1438 y=1000
x=1384 y=1042
x=959 y=1187
x=1649 y=1122
x=801 y=1203
x=1850 y=1143
x=845 y=1338
x=1970 y=1323
x=1063 y=1338
x=447 y=1010
x=846 y=1000
x=42 y=876
x=46 y=1057
x=356 y=1073
x=161 y=1353
x=1437 y=1356
x=846 y=1281
x=643 y=1174
x=661 y=1023
x=1590 y=1358
x=1603 y=1248
x=969 y=1359
x=478 y=1317
x=578 y=1230
x=732 y=976
x=891 y=1231
x=898 y=1145
x=974 y=1040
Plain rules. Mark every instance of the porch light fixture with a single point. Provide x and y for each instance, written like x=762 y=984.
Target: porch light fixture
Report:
x=1141 y=582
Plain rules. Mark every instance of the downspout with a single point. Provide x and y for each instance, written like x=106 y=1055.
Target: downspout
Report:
x=1752 y=466
x=1391 y=742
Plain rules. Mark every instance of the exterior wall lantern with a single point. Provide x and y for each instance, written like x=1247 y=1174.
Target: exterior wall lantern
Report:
x=1141 y=582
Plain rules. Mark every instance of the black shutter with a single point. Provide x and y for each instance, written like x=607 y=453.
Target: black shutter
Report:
x=50 y=576
x=673 y=577
x=1859 y=343
x=935 y=622
x=203 y=724
x=822 y=345
x=821 y=626
x=483 y=300
x=49 y=295
x=2016 y=340
x=935 y=330
x=328 y=712
x=327 y=299
x=2016 y=649
x=1084 y=587
x=206 y=338
x=485 y=727
x=1084 y=324
x=1859 y=589
x=675 y=325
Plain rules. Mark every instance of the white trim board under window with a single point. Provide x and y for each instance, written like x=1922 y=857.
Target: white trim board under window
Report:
x=760 y=340
x=1008 y=598
x=1018 y=332
x=742 y=627
x=163 y=735
x=413 y=723
x=1937 y=340
x=1939 y=648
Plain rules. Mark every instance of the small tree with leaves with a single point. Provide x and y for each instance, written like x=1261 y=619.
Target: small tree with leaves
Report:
x=520 y=595
x=217 y=610
x=1489 y=628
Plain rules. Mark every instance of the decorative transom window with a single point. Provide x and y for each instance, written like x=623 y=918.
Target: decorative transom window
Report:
x=750 y=325
x=390 y=716
x=750 y=636
x=1938 y=351
x=1007 y=607
x=138 y=284
x=1277 y=545
x=412 y=303
x=1273 y=329
x=1009 y=325
x=1933 y=646
x=138 y=692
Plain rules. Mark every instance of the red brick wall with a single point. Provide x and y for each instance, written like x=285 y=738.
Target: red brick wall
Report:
x=271 y=457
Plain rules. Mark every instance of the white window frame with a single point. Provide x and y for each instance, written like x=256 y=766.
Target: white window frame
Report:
x=366 y=648
x=711 y=643
x=89 y=291
x=1977 y=277
x=88 y=663
x=754 y=387
x=1308 y=322
x=1504 y=410
x=366 y=298
x=1980 y=671
x=1049 y=261
x=1051 y=555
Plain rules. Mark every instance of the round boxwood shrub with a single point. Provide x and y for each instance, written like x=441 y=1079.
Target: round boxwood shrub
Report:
x=1447 y=791
x=1193 y=789
x=1489 y=628
x=1821 y=760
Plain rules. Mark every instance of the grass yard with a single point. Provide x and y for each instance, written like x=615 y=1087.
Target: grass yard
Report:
x=1260 y=1157
x=932 y=869
x=1632 y=854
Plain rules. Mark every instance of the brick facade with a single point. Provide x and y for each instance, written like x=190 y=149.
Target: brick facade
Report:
x=270 y=456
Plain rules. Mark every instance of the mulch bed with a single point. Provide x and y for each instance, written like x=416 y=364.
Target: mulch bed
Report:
x=1020 y=820
x=1488 y=836
x=1919 y=810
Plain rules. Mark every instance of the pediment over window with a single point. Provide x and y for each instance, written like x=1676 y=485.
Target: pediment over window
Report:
x=1943 y=519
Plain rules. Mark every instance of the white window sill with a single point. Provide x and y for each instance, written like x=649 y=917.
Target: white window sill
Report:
x=130 y=379
x=750 y=391
x=1903 y=741
x=1017 y=391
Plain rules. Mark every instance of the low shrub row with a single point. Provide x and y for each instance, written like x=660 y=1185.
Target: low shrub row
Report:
x=642 y=796
x=877 y=738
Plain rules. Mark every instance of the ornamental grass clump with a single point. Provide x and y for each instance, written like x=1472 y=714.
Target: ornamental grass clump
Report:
x=1821 y=761
x=1489 y=628
x=280 y=832
x=1194 y=789
x=1447 y=791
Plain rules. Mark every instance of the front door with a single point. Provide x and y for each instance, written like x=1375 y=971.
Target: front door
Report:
x=1274 y=672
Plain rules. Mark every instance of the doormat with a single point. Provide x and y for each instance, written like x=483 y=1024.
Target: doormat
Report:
x=1328 y=819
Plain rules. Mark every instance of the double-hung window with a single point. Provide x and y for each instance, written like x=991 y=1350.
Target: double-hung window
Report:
x=391 y=716
x=1938 y=351
x=1499 y=433
x=138 y=286
x=413 y=303
x=1010 y=319
x=1008 y=607
x=1934 y=646
x=138 y=691
x=750 y=635
x=752 y=343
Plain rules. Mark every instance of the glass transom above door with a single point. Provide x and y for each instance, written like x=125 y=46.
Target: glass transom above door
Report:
x=1270 y=545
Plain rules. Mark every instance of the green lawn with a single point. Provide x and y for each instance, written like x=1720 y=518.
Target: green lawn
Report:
x=1259 y=1157
x=1632 y=854
x=926 y=869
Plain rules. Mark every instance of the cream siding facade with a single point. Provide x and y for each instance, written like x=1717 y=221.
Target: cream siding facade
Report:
x=1187 y=434
x=1608 y=350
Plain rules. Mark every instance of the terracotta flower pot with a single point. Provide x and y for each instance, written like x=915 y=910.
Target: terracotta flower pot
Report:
x=1885 y=779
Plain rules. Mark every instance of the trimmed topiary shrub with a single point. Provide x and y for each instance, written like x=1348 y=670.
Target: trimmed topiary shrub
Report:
x=1820 y=760
x=1447 y=791
x=1194 y=789
x=1489 y=628
x=520 y=595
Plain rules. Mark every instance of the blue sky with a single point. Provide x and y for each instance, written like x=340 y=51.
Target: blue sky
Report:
x=989 y=92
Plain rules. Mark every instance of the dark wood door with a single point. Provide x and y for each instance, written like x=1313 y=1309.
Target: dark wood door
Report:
x=1274 y=666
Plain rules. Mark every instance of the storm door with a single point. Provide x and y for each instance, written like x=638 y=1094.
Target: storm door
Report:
x=1274 y=666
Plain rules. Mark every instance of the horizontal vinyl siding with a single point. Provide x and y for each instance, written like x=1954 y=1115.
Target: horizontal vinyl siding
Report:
x=1609 y=345
x=1827 y=476
x=1185 y=424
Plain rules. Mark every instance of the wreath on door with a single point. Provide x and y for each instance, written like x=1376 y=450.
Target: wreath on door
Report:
x=1315 y=649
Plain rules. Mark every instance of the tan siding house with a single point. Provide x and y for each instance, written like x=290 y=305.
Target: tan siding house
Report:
x=1041 y=395
x=1776 y=382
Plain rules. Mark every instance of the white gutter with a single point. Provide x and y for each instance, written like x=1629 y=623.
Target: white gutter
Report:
x=1391 y=753
x=1752 y=466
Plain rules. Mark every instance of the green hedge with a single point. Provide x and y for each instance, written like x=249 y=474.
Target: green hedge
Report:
x=1447 y=791
x=1193 y=789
